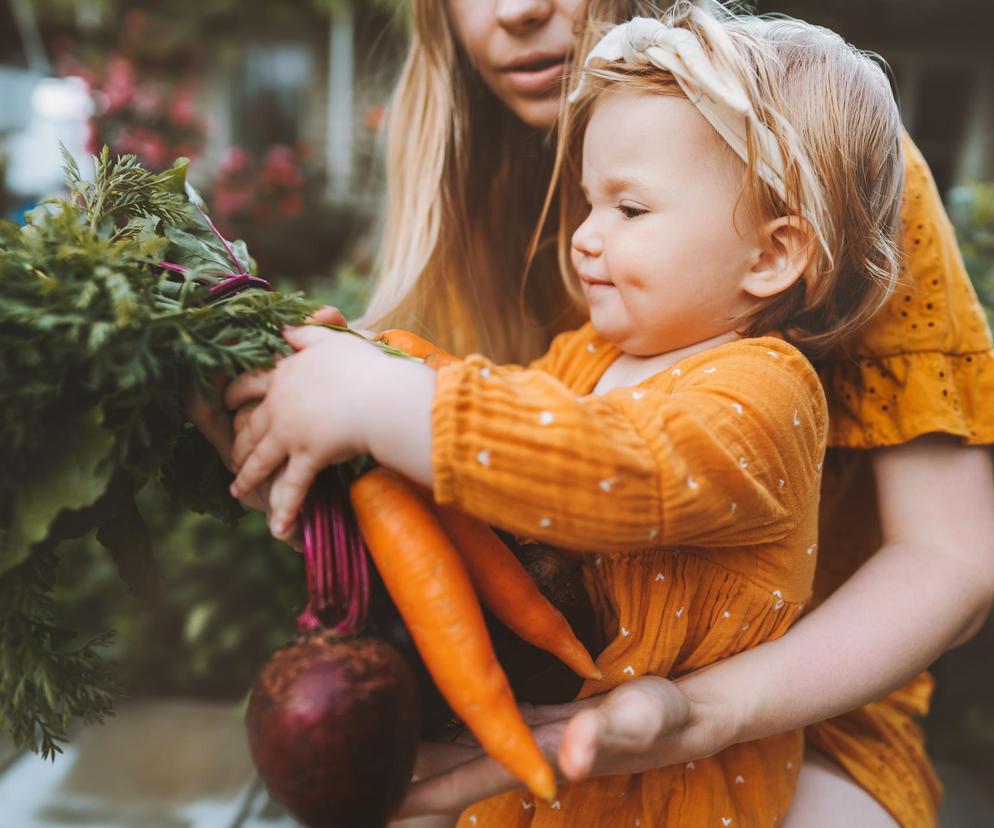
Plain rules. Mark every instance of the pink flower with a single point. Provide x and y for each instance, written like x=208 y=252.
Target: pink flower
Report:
x=280 y=170
x=151 y=149
x=235 y=160
x=182 y=110
x=230 y=201
x=147 y=100
x=119 y=85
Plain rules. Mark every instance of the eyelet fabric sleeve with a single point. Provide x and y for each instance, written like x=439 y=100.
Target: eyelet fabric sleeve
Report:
x=925 y=362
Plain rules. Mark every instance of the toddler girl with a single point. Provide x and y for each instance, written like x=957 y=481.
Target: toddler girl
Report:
x=729 y=193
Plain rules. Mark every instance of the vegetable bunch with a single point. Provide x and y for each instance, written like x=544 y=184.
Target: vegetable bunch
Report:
x=114 y=303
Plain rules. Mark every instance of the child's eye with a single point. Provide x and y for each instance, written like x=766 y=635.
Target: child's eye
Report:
x=630 y=212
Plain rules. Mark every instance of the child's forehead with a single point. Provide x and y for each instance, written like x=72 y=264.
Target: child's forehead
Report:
x=631 y=134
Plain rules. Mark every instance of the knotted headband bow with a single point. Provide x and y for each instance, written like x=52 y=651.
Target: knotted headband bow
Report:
x=718 y=95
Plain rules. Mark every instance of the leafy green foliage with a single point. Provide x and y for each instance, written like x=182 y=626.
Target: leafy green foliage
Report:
x=47 y=679
x=99 y=347
x=229 y=597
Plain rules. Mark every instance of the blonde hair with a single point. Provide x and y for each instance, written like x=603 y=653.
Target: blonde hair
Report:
x=466 y=182
x=831 y=110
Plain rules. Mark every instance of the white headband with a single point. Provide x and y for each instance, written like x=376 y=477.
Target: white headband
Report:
x=718 y=96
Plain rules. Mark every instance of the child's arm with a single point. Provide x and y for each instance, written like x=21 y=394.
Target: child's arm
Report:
x=732 y=451
x=730 y=454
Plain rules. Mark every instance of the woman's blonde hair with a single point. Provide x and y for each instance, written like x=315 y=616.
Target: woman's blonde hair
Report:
x=837 y=128
x=466 y=182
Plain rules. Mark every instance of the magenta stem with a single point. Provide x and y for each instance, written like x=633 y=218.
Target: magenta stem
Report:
x=338 y=581
x=231 y=253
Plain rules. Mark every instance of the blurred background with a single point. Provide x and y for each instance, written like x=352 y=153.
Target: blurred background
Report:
x=280 y=106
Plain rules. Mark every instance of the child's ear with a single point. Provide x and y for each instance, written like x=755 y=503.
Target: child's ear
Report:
x=786 y=246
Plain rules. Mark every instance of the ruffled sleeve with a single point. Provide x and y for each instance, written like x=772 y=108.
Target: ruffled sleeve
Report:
x=925 y=363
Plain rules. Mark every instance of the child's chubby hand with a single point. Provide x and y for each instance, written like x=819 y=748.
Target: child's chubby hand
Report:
x=315 y=408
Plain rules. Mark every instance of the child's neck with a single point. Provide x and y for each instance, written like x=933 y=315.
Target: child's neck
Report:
x=629 y=369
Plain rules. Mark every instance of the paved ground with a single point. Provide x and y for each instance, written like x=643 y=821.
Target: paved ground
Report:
x=184 y=765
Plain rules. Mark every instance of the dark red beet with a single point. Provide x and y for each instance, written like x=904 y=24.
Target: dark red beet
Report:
x=535 y=675
x=333 y=729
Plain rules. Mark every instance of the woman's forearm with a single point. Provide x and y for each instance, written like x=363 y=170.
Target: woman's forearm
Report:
x=863 y=642
x=925 y=590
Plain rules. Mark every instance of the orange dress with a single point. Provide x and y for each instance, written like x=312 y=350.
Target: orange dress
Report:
x=694 y=497
x=923 y=365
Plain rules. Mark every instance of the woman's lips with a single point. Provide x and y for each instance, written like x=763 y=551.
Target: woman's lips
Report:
x=538 y=77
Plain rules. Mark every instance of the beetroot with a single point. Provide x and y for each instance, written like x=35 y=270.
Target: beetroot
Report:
x=333 y=717
x=333 y=729
x=535 y=675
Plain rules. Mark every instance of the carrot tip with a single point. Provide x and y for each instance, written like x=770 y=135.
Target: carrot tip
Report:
x=546 y=789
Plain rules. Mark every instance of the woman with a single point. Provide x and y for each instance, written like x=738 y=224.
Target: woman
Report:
x=906 y=565
x=903 y=495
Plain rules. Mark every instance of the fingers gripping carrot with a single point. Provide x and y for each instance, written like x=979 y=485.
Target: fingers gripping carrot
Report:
x=508 y=591
x=428 y=582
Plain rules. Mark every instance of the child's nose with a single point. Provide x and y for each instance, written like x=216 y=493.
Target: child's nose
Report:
x=587 y=240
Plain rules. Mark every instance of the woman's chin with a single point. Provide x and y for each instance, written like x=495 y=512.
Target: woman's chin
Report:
x=537 y=113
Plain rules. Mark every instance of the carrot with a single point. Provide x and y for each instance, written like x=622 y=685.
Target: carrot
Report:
x=408 y=342
x=440 y=359
x=501 y=581
x=508 y=591
x=428 y=582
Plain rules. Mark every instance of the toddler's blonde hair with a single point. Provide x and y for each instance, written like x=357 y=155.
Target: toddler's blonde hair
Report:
x=831 y=110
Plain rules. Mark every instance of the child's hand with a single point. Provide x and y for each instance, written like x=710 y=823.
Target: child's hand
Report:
x=311 y=414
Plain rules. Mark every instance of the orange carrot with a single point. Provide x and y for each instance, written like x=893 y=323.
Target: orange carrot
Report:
x=428 y=582
x=508 y=591
x=440 y=359
x=408 y=342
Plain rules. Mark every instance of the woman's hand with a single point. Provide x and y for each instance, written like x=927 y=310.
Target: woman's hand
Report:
x=643 y=724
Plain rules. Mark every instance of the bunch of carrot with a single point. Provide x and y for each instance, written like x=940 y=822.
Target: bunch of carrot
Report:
x=438 y=564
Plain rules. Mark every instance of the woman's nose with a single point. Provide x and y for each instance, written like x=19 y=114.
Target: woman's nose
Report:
x=521 y=15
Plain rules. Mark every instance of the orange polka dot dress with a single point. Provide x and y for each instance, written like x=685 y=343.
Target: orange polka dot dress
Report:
x=923 y=365
x=694 y=498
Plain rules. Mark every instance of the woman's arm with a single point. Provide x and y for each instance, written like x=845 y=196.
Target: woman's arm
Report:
x=927 y=589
